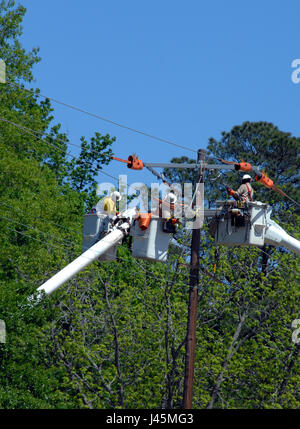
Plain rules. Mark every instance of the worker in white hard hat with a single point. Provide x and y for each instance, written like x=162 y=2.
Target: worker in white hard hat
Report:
x=108 y=205
x=245 y=191
x=116 y=196
x=168 y=205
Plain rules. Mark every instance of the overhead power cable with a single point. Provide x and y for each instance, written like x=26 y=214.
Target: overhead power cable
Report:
x=38 y=135
x=260 y=177
x=147 y=272
x=48 y=221
x=35 y=229
x=102 y=118
x=61 y=247
x=280 y=191
x=33 y=238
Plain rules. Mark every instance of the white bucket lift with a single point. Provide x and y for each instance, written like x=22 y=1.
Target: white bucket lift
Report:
x=277 y=236
x=239 y=225
x=116 y=233
x=95 y=226
x=152 y=243
x=249 y=224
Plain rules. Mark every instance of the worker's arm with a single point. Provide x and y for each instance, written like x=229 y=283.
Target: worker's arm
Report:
x=233 y=194
x=242 y=192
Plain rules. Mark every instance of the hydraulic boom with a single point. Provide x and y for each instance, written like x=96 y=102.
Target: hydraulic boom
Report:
x=119 y=230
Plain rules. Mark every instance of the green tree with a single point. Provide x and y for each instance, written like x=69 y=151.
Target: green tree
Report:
x=114 y=336
x=245 y=357
x=272 y=150
x=41 y=211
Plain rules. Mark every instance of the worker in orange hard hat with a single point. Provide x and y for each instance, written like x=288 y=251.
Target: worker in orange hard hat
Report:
x=245 y=191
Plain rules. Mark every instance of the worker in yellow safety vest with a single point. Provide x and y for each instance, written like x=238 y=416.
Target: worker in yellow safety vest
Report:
x=108 y=205
x=245 y=191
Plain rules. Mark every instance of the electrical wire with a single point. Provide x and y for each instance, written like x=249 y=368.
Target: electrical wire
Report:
x=149 y=274
x=38 y=135
x=59 y=246
x=256 y=171
x=38 y=94
x=48 y=221
x=67 y=243
x=279 y=191
x=122 y=126
x=33 y=238
x=62 y=248
x=110 y=175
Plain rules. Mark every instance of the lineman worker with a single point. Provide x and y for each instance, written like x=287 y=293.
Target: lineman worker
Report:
x=108 y=205
x=245 y=191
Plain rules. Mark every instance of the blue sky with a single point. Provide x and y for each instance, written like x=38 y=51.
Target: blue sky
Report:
x=183 y=71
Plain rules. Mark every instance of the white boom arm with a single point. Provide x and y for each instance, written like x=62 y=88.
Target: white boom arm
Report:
x=277 y=236
x=93 y=253
x=264 y=230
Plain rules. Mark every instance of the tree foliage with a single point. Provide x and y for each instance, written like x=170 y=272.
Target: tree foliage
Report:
x=114 y=336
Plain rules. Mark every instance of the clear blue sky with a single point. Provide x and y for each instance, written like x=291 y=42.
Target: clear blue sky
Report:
x=182 y=70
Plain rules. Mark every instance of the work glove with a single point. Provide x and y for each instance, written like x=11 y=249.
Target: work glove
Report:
x=230 y=191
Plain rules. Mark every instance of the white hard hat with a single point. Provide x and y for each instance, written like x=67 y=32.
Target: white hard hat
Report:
x=171 y=198
x=116 y=196
x=246 y=176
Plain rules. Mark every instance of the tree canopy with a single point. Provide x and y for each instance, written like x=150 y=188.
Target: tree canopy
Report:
x=114 y=336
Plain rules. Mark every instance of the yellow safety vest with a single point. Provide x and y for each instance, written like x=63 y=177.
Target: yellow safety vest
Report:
x=109 y=206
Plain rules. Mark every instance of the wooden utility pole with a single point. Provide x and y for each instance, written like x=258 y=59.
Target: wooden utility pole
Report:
x=193 y=300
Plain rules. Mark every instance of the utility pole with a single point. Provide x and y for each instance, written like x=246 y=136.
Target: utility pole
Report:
x=193 y=300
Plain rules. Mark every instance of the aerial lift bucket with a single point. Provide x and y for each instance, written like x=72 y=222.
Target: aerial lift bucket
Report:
x=95 y=225
x=150 y=243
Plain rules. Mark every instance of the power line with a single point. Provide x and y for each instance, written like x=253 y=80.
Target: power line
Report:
x=38 y=135
x=102 y=118
x=48 y=221
x=35 y=134
x=109 y=175
x=122 y=126
x=67 y=243
x=33 y=238
x=282 y=193
x=62 y=248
